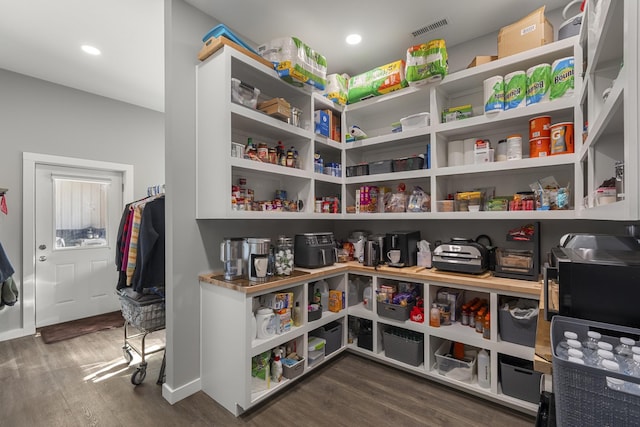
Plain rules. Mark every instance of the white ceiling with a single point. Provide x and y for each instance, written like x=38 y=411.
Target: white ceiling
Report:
x=42 y=38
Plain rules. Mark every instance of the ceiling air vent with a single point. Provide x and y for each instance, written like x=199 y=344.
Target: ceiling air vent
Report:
x=431 y=27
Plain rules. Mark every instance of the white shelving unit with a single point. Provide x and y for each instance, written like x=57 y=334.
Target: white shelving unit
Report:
x=612 y=128
x=226 y=330
x=609 y=38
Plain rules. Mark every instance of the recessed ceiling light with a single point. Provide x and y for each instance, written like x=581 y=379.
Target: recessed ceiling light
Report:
x=90 y=49
x=353 y=38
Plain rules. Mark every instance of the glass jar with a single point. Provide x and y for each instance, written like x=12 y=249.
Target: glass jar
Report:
x=284 y=256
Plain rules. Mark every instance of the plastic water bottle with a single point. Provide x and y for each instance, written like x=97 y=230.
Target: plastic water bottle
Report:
x=575 y=353
x=613 y=383
x=576 y=360
x=604 y=355
x=563 y=346
x=590 y=345
x=633 y=369
x=624 y=349
x=484 y=369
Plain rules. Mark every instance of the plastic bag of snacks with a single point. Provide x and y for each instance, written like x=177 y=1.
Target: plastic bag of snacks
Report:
x=419 y=201
x=427 y=62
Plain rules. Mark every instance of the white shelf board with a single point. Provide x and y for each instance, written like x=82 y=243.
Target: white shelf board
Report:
x=610 y=43
x=256 y=166
x=322 y=102
x=410 y=135
x=510 y=165
x=393 y=176
x=260 y=123
x=379 y=101
x=327 y=178
x=327 y=142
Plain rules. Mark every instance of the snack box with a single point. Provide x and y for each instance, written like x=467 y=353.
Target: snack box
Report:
x=457 y=113
x=380 y=80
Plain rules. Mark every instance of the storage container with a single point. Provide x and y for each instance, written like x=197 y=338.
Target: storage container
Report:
x=460 y=370
x=292 y=370
x=519 y=380
x=315 y=357
x=583 y=394
x=408 y=164
x=404 y=346
x=513 y=327
x=276 y=107
x=415 y=121
x=358 y=170
x=244 y=94
x=382 y=166
x=394 y=311
x=332 y=334
x=314 y=315
x=444 y=205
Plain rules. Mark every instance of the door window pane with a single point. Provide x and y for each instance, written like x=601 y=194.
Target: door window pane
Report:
x=80 y=213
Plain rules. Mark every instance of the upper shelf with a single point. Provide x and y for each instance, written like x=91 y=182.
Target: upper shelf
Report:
x=607 y=39
x=474 y=77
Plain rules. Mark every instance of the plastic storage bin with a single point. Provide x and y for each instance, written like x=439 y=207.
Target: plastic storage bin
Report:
x=244 y=94
x=404 y=346
x=408 y=164
x=315 y=357
x=394 y=311
x=293 y=370
x=332 y=334
x=461 y=370
x=583 y=396
x=520 y=380
x=382 y=166
x=513 y=327
x=415 y=121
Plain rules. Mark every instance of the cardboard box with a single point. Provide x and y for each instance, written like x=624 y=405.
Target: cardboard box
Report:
x=534 y=30
x=276 y=107
x=479 y=60
x=335 y=300
x=322 y=126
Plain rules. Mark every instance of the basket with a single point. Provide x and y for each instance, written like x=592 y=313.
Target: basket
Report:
x=148 y=314
x=585 y=395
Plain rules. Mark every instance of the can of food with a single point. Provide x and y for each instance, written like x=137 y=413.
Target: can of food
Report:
x=539 y=147
x=514 y=147
x=540 y=127
x=561 y=138
x=281 y=195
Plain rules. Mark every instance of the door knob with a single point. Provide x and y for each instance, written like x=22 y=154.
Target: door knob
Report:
x=43 y=258
x=42 y=247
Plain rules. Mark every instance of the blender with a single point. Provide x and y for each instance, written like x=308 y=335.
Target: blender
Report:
x=231 y=255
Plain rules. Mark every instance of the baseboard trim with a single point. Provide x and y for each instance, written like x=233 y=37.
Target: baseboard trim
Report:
x=175 y=395
x=16 y=333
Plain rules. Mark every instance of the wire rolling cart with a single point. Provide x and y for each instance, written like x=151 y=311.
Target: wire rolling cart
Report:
x=146 y=315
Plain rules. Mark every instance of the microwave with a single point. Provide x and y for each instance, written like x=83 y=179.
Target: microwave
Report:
x=601 y=285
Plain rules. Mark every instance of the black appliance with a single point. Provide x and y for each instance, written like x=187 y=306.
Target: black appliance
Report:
x=407 y=243
x=461 y=255
x=599 y=283
x=314 y=250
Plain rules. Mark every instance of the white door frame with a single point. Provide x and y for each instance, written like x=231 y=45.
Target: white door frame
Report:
x=29 y=162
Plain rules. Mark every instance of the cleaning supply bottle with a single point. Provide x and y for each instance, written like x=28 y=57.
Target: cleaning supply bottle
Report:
x=297 y=315
x=276 y=367
x=322 y=287
x=484 y=369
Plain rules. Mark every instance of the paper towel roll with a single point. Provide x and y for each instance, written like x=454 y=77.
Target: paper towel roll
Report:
x=455 y=153
x=562 y=79
x=493 y=94
x=469 y=155
x=538 y=83
x=515 y=88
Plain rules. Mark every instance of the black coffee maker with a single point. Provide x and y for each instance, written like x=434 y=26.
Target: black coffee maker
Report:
x=407 y=243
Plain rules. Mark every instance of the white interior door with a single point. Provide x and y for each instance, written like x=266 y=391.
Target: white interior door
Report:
x=77 y=213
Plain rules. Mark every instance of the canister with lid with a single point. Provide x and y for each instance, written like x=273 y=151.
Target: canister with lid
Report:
x=514 y=147
x=284 y=256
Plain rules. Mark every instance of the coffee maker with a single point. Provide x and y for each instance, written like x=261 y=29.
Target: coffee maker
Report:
x=407 y=243
x=256 y=258
x=231 y=255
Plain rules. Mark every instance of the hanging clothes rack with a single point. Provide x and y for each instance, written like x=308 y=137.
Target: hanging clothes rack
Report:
x=155 y=190
x=3 y=191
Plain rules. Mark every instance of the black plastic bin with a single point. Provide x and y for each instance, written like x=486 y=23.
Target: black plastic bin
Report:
x=332 y=333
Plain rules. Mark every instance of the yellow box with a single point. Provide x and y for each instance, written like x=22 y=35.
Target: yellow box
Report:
x=335 y=300
x=534 y=30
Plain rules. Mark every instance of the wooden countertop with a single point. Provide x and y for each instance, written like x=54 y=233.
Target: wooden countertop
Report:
x=408 y=273
x=543 y=358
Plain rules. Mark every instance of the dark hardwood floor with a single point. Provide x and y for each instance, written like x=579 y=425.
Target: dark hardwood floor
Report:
x=85 y=381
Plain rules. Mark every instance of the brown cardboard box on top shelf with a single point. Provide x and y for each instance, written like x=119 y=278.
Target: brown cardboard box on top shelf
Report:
x=534 y=30
x=276 y=107
x=484 y=59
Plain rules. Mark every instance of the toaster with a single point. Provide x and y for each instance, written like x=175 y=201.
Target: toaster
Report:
x=314 y=250
x=461 y=255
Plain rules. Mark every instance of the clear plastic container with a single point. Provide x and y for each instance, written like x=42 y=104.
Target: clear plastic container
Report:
x=284 y=256
x=415 y=121
x=244 y=94
x=624 y=349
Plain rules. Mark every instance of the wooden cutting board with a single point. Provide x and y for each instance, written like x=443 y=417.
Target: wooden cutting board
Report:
x=215 y=43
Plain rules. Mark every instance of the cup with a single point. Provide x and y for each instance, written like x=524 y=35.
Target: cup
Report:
x=394 y=256
x=261 y=264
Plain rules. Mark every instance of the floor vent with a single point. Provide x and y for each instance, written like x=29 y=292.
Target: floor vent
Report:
x=431 y=27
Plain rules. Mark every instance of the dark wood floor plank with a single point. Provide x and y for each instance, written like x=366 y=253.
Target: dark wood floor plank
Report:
x=85 y=381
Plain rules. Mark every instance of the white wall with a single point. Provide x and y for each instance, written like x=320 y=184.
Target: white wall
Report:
x=41 y=117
